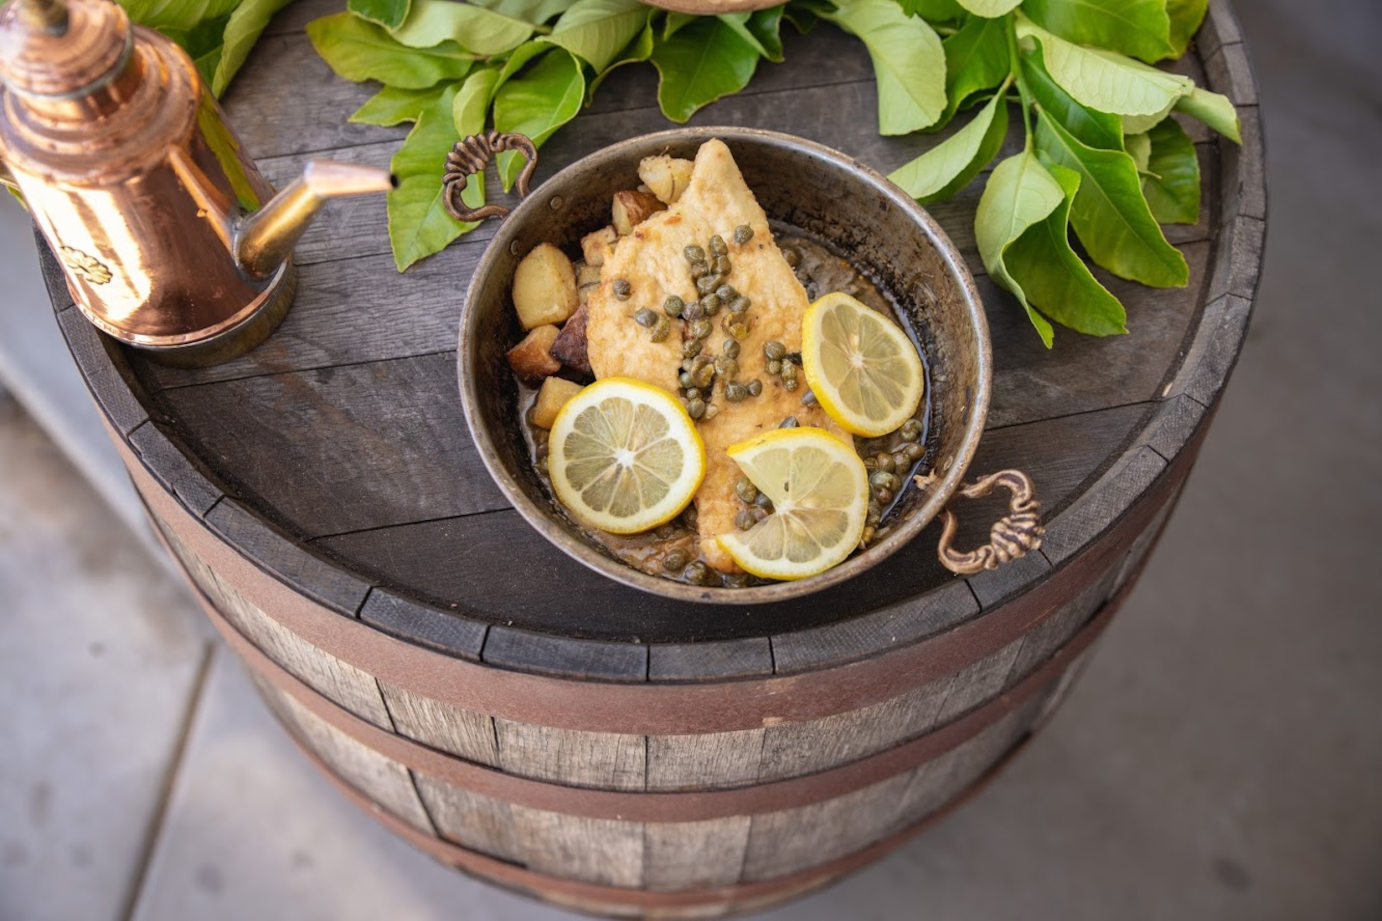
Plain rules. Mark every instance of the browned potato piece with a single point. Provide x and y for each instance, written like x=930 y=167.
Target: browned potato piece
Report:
x=544 y=287
x=666 y=176
x=598 y=245
x=551 y=398
x=532 y=358
x=631 y=209
x=587 y=274
x=571 y=347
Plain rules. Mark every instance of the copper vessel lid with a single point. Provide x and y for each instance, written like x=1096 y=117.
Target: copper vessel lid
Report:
x=62 y=48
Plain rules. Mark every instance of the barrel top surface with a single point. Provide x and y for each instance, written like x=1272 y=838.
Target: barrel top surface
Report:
x=336 y=458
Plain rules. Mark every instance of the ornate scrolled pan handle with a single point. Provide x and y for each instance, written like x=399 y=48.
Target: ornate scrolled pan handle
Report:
x=471 y=155
x=1015 y=535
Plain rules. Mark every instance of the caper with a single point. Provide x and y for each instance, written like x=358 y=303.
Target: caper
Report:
x=690 y=517
x=692 y=312
x=914 y=451
x=739 y=304
x=884 y=462
x=735 y=579
x=867 y=536
x=763 y=502
x=717 y=245
x=701 y=328
x=731 y=348
x=661 y=329
x=738 y=329
x=901 y=461
x=674 y=561
x=745 y=490
x=809 y=398
x=744 y=520
x=711 y=304
x=884 y=495
x=911 y=430
x=774 y=350
x=693 y=393
x=704 y=376
x=644 y=317
x=691 y=348
x=875 y=513
x=700 y=269
x=622 y=288
x=705 y=284
x=736 y=392
x=726 y=366
x=726 y=293
x=673 y=306
x=789 y=371
x=792 y=257
x=755 y=387
x=773 y=367
x=686 y=363
x=758 y=513
x=696 y=573
x=743 y=234
x=789 y=423
x=695 y=408
x=711 y=411
x=883 y=479
x=789 y=384
x=722 y=265
x=694 y=253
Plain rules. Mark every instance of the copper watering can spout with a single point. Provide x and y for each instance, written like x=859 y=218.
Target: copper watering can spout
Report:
x=170 y=238
x=264 y=240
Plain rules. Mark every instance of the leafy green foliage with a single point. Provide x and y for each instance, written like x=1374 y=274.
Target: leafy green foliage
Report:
x=419 y=224
x=216 y=34
x=1171 y=174
x=703 y=61
x=359 y=50
x=908 y=62
x=1140 y=28
x=388 y=13
x=394 y=106
x=536 y=103
x=952 y=164
x=976 y=59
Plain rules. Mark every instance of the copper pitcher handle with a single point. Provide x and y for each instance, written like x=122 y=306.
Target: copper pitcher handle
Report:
x=1011 y=537
x=471 y=155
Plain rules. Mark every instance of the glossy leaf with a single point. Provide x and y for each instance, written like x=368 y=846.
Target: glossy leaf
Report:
x=531 y=11
x=1054 y=280
x=418 y=222
x=740 y=23
x=638 y=50
x=1097 y=129
x=1103 y=80
x=1214 y=110
x=976 y=59
x=1185 y=16
x=1019 y=194
x=393 y=106
x=990 y=9
x=177 y=15
x=1139 y=147
x=952 y=164
x=933 y=10
x=597 y=30
x=388 y=13
x=702 y=62
x=243 y=29
x=1139 y=28
x=520 y=56
x=476 y=29
x=908 y=62
x=359 y=50
x=1109 y=212
x=536 y=103
x=470 y=109
x=766 y=26
x=1171 y=177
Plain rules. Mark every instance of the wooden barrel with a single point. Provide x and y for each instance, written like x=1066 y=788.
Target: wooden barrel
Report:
x=525 y=720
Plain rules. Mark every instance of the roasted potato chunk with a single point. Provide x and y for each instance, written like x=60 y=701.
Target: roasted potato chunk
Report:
x=571 y=347
x=551 y=398
x=632 y=208
x=667 y=177
x=544 y=287
x=597 y=246
x=587 y=274
x=532 y=358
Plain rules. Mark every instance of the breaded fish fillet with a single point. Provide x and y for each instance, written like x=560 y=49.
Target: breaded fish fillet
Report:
x=651 y=260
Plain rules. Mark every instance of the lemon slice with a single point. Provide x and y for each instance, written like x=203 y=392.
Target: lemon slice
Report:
x=863 y=369
x=820 y=494
x=624 y=456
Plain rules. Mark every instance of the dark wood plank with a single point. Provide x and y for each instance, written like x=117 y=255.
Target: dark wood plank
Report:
x=445 y=631
x=1101 y=504
x=1211 y=356
x=174 y=469
x=342 y=449
x=560 y=655
x=695 y=662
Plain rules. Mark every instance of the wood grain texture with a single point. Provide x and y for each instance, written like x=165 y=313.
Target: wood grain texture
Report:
x=443 y=726
x=571 y=847
x=705 y=760
x=1102 y=504
x=443 y=630
x=471 y=820
x=608 y=761
x=694 y=855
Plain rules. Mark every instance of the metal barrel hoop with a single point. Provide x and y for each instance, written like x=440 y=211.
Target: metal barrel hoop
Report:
x=1011 y=537
x=472 y=155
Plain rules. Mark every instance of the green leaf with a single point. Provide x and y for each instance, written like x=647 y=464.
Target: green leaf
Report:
x=803 y=20
x=393 y=106
x=908 y=62
x=639 y=50
x=246 y=24
x=597 y=30
x=990 y=9
x=933 y=10
x=1054 y=279
x=976 y=59
x=1171 y=177
x=739 y=22
x=703 y=61
x=1104 y=80
x=674 y=22
x=1109 y=213
x=474 y=28
x=1141 y=124
x=536 y=103
x=1139 y=28
x=359 y=51
x=766 y=26
x=1139 y=147
x=1215 y=111
x=388 y=13
x=1185 y=16
x=471 y=106
x=419 y=224
x=520 y=56
x=953 y=163
x=1019 y=194
x=1096 y=129
x=177 y=15
x=534 y=11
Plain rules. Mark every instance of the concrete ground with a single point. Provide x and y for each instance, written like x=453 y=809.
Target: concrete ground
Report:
x=1221 y=758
